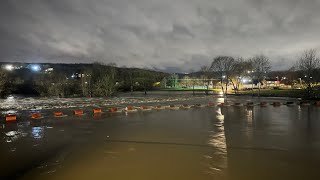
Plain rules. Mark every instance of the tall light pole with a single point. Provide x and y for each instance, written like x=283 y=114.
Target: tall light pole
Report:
x=251 y=75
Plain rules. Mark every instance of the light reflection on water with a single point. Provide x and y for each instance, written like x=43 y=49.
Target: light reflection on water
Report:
x=249 y=116
x=217 y=162
x=15 y=131
x=37 y=132
x=218 y=139
x=21 y=130
x=12 y=136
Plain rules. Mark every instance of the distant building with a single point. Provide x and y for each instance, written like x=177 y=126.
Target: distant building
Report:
x=272 y=82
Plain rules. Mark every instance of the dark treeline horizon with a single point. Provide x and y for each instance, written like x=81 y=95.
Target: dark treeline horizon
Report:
x=75 y=80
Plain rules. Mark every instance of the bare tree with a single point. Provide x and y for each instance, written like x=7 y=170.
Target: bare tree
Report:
x=206 y=70
x=260 y=66
x=3 y=82
x=223 y=66
x=291 y=75
x=193 y=80
x=308 y=64
x=86 y=81
x=185 y=82
x=240 y=70
x=164 y=82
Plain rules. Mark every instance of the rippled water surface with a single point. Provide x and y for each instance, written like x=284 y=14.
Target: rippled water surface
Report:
x=197 y=143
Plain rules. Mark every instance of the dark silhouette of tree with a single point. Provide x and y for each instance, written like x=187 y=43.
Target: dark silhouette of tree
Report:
x=260 y=66
x=239 y=72
x=223 y=67
x=308 y=64
x=206 y=76
x=3 y=82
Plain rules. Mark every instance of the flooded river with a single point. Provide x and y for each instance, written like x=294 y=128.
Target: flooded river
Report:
x=197 y=143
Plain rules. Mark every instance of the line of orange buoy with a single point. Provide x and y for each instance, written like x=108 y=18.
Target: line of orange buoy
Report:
x=59 y=114
x=78 y=112
x=36 y=116
x=128 y=109
x=145 y=108
x=97 y=111
x=11 y=118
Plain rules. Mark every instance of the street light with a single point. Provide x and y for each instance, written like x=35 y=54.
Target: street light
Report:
x=8 y=67
x=35 y=67
x=300 y=82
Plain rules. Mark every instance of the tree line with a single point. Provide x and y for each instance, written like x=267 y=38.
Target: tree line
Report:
x=230 y=70
x=90 y=80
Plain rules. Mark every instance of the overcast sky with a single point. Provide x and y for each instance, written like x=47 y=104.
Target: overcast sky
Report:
x=170 y=35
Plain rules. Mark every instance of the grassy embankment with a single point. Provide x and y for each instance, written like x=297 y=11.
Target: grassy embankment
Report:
x=215 y=91
x=275 y=92
x=263 y=92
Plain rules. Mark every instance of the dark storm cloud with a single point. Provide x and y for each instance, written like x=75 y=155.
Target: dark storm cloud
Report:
x=161 y=34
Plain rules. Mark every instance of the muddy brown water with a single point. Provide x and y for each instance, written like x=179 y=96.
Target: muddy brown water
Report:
x=198 y=143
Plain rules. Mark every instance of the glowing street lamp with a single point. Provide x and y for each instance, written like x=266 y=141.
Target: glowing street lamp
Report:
x=35 y=67
x=8 y=67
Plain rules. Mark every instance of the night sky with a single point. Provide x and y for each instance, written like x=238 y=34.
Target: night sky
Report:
x=169 y=35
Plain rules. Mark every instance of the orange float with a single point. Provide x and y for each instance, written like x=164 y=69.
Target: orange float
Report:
x=97 y=111
x=36 y=116
x=59 y=114
x=78 y=112
x=145 y=108
x=115 y=110
x=11 y=118
x=130 y=109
